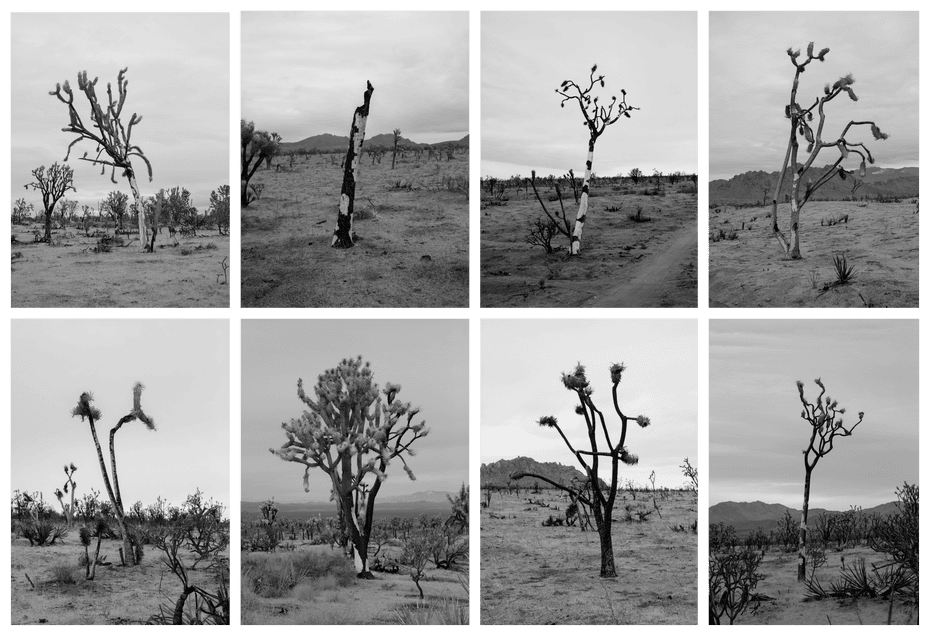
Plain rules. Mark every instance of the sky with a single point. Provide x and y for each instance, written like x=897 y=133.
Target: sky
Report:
x=178 y=82
x=526 y=56
x=522 y=362
x=428 y=358
x=184 y=366
x=751 y=75
x=304 y=73
x=757 y=434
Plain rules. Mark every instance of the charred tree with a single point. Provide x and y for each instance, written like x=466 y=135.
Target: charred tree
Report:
x=344 y=236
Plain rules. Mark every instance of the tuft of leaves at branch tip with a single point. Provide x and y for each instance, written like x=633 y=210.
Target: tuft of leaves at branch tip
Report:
x=643 y=421
x=548 y=421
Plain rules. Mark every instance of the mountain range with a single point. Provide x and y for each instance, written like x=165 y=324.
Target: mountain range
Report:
x=497 y=474
x=748 y=516
x=327 y=142
x=747 y=188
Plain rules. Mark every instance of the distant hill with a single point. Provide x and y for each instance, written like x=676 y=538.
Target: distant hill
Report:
x=407 y=506
x=327 y=143
x=746 y=517
x=498 y=474
x=747 y=188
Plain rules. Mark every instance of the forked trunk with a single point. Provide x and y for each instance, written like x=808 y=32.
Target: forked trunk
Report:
x=344 y=237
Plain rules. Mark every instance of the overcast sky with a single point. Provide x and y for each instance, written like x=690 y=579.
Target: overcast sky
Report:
x=522 y=362
x=304 y=73
x=184 y=365
x=757 y=434
x=178 y=82
x=526 y=56
x=751 y=76
x=427 y=358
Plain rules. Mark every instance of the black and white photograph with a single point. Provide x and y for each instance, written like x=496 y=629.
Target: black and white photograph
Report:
x=120 y=192
x=107 y=408
x=813 y=159
x=598 y=215
x=814 y=472
x=355 y=488
x=355 y=152
x=589 y=479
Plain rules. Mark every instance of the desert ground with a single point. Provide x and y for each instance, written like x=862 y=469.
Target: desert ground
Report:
x=623 y=263
x=781 y=597
x=531 y=574
x=117 y=596
x=69 y=273
x=412 y=224
x=336 y=597
x=880 y=240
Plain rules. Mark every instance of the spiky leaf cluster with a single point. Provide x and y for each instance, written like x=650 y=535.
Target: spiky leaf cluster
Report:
x=825 y=419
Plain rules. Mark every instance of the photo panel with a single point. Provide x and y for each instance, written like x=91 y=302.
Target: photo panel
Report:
x=589 y=482
x=126 y=199
x=120 y=472
x=813 y=472
x=589 y=163
x=355 y=153
x=354 y=471
x=814 y=161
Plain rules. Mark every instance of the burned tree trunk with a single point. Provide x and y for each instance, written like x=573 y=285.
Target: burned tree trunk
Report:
x=344 y=237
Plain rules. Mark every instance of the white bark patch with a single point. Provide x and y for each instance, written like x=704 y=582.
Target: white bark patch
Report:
x=582 y=206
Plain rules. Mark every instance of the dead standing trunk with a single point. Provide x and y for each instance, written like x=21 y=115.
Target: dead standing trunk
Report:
x=802 y=541
x=344 y=236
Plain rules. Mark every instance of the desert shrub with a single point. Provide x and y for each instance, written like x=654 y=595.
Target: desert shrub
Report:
x=788 y=532
x=723 y=235
x=203 y=527
x=444 y=611
x=210 y=246
x=541 y=233
x=637 y=217
x=63 y=573
x=42 y=531
x=721 y=538
x=733 y=577
x=275 y=575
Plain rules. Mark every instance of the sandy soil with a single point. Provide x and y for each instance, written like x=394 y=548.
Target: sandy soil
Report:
x=413 y=239
x=880 y=241
x=784 y=602
x=117 y=596
x=622 y=263
x=72 y=275
x=362 y=602
x=538 y=575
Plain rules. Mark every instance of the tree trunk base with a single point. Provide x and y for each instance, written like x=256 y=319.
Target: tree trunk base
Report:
x=367 y=575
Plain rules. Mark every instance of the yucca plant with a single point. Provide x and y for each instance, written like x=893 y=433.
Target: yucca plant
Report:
x=844 y=271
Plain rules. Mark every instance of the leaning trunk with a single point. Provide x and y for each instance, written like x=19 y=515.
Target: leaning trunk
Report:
x=344 y=237
x=583 y=204
x=140 y=209
x=802 y=535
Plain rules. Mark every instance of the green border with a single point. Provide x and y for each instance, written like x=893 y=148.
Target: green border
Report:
x=234 y=313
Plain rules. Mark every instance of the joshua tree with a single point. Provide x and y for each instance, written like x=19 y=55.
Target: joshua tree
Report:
x=822 y=416
x=256 y=146
x=274 y=148
x=602 y=495
x=691 y=473
x=219 y=208
x=596 y=118
x=117 y=205
x=53 y=185
x=352 y=434
x=802 y=126
x=396 y=139
x=343 y=236
x=70 y=485
x=107 y=130
x=22 y=210
x=92 y=414
x=66 y=209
